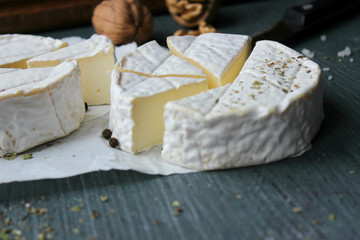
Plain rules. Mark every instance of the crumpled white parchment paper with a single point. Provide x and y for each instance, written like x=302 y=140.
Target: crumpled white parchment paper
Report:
x=83 y=151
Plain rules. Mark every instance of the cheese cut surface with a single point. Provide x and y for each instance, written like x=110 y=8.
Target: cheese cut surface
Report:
x=139 y=93
x=16 y=49
x=271 y=111
x=220 y=56
x=43 y=104
x=95 y=57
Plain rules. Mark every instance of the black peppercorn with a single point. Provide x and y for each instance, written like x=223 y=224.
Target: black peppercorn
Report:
x=86 y=107
x=107 y=133
x=113 y=142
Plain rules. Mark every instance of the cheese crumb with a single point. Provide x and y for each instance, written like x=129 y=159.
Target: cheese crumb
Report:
x=344 y=53
x=175 y=203
x=238 y=196
x=297 y=209
x=332 y=217
x=308 y=53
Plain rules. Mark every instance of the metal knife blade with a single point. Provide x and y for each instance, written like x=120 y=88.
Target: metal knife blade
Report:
x=305 y=17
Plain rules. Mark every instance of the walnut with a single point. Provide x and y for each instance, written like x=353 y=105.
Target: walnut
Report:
x=189 y=13
x=206 y=28
x=123 y=21
x=203 y=28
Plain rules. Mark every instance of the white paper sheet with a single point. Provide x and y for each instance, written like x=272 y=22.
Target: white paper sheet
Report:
x=83 y=151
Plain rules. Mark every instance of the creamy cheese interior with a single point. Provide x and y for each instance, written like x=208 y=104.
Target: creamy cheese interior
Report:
x=95 y=57
x=148 y=115
x=142 y=83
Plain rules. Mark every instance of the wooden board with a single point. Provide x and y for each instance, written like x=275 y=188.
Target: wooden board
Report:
x=24 y=16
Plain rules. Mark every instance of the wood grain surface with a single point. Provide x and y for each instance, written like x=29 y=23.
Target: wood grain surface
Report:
x=32 y=16
x=26 y=16
x=314 y=196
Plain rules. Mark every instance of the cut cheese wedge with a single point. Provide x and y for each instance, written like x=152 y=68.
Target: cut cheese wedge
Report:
x=139 y=93
x=16 y=49
x=271 y=111
x=95 y=57
x=39 y=105
x=144 y=60
x=220 y=56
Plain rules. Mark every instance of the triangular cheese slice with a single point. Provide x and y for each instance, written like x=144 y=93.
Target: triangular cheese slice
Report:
x=271 y=111
x=95 y=57
x=220 y=56
x=144 y=60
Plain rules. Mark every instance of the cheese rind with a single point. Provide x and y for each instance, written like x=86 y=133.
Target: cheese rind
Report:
x=13 y=78
x=40 y=110
x=95 y=57
x=138 y=95
x=144 y=60
x=16 y=49
x=5 y=70
x=220 y=56
x=177 y=67
x=179 y=44
x=272 y=111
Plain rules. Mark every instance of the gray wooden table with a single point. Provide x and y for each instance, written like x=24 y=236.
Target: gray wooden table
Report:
x=314 y=196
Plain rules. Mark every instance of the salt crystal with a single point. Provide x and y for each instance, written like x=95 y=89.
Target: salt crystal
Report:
x=323 y=38
x=346 y=52
x=308 y=53
x=351 y=60
x=325 y=69
x=330 y=77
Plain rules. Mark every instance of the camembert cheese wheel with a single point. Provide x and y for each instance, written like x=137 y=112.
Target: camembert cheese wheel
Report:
x=271 y=111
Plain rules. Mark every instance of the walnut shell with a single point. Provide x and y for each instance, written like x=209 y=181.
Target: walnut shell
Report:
x=189 y=13
x=123 y=21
